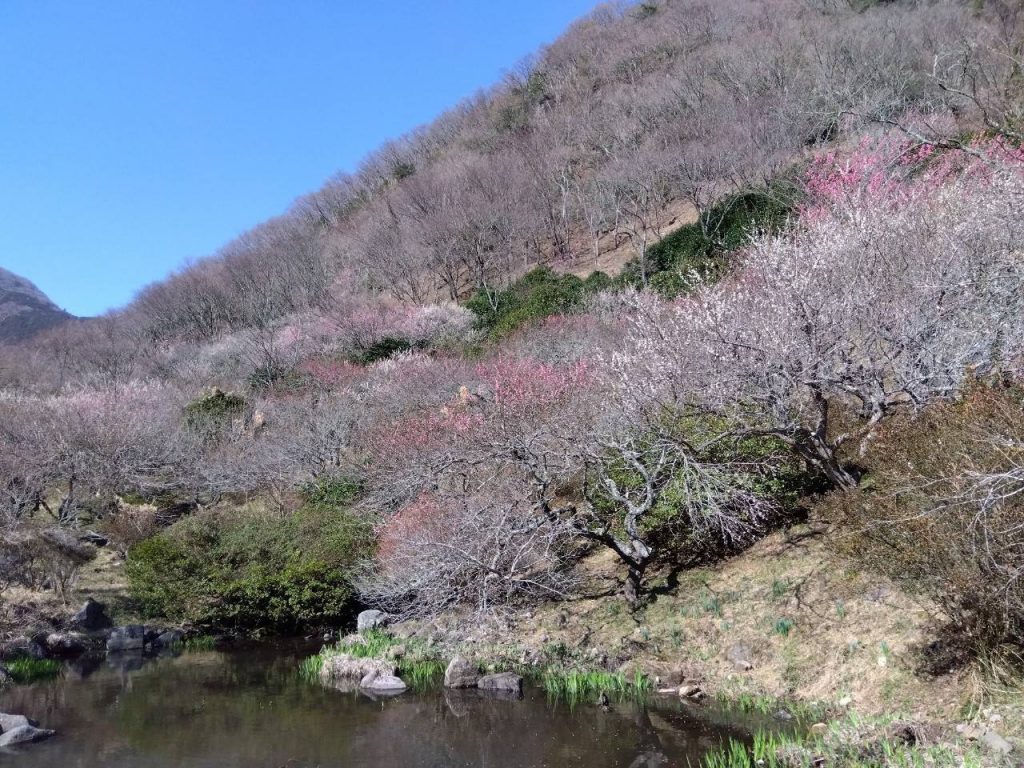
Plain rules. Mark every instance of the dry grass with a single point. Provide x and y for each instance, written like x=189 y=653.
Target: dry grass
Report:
x=815 y=631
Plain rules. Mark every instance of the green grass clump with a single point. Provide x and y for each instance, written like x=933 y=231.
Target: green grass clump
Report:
x=779 y=750
x=371 y=645
x=574 y=685
x=309 y=667
x=417 y=667
x=421 y=674
x=27 y=670
x=783 y=626
x=199 y=643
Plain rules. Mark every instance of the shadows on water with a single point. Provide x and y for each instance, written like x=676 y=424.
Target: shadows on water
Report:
x=245 y=709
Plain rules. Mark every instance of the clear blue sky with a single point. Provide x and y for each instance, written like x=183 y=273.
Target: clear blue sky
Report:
x=137 y=134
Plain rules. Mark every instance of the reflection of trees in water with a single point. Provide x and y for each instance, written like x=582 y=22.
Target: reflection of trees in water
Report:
x=239 y=711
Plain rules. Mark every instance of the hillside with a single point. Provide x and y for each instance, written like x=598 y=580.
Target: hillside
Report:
x=24 y=309
x=694 y=350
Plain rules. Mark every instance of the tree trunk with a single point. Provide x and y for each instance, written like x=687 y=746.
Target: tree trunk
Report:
x=633 y=589
x=813 y=448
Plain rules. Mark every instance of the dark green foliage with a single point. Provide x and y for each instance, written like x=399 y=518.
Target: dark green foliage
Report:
x=387 y=347
x=332 y=491
x=538 y=294
x=403 y=169
x=702 y=248
x=248 y=570
x=213 y=411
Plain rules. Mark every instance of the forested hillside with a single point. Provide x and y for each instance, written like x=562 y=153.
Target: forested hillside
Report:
x=692 y=274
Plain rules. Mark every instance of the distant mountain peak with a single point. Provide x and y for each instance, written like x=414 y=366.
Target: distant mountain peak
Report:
x=24 y=309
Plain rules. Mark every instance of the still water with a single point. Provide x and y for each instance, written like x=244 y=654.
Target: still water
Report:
x=250 y=709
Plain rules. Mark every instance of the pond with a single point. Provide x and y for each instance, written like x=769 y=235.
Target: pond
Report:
x=250 y=709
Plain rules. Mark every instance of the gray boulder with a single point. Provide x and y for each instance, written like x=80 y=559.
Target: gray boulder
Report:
x=24 y=734
x=128 y=638
x=168 y=639
x=461 y=673
x=741 y=657
x=996 y=743
x=502 y=681
x=64 y=644
x=367 y=620
x=375 y=682
x=91 y=616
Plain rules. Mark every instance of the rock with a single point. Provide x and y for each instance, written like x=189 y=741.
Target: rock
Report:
x=352 y=669
x=461 y=673
x=64 y=644
x=903 y=733
x=24 y=734
x=368 y=620
x=91 y=617
x=740 y=656
x=819 y=729
x=662 y=673
x=37 y=646
x=996 y=743
x=168 y=638
x=128 y=638
x=691 y=691
x=375 y=682
x=10 y=722
x=91 y=537
x=5 y=677
x=13 y=649
x=502 y=681
x=846 y=701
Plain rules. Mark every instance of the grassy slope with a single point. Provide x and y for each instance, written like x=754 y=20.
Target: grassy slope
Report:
x=851 y=644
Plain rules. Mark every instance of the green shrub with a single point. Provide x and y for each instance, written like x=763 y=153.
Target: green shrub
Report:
x=246 y=570
x=703 y=250
x=538 y=294
x=332 y=491
x=214 y=411
x=387 y=347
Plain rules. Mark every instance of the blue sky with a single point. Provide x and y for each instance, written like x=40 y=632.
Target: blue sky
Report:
x=138 y=134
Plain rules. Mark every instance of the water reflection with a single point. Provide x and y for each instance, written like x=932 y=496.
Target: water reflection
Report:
x=249 y=709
